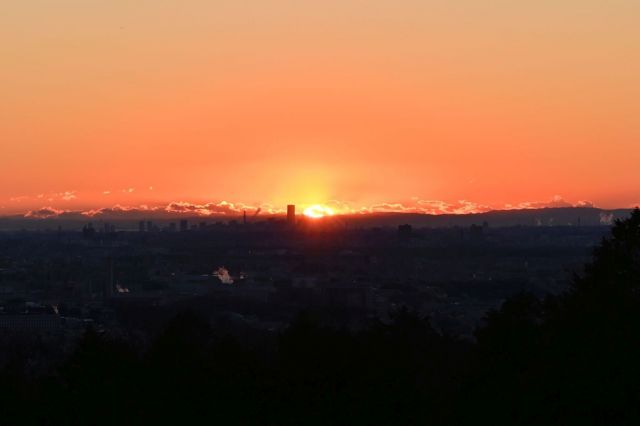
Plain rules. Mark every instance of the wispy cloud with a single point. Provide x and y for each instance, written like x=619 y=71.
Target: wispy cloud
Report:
x=219 y=208
x=419 y=206
x=48 y=196
x=119 y=210
x=556 y=202
x=19 y=198
x=67 y=195
x=44 y=213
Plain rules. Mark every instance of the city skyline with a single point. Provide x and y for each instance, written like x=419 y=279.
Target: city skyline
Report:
x=69 y=206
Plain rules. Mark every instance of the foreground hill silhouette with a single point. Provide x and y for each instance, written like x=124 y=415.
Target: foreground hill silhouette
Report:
x=571 y=358
x=568 y=359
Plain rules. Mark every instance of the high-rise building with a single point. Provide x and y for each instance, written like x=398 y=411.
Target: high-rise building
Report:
x=184 y=225
x=291 y=214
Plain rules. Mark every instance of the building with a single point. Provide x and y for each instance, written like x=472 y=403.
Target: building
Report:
x=184 y=225
x=291 y=214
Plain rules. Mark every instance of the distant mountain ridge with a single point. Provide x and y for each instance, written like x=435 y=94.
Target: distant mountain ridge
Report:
x=563 y=216
x=559 y=216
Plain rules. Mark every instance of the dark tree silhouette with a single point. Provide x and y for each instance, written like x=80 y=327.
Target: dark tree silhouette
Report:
x=570 y=359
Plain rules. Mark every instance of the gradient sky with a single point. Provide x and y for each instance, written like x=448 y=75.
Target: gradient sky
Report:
x=275 y=101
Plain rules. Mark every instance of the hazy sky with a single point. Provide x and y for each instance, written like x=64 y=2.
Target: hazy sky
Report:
x=266 y=101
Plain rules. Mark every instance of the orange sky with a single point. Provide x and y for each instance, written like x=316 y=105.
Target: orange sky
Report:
x=275 y=101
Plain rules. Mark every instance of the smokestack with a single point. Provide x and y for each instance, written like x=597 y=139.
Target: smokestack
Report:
x=223 y=275
x=291 y=214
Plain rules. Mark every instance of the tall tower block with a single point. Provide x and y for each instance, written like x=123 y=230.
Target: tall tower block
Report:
x=291 y=214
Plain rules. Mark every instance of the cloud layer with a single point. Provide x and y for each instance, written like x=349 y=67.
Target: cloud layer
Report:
x=226 y=208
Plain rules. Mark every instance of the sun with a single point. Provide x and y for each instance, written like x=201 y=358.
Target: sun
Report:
x=317 y=211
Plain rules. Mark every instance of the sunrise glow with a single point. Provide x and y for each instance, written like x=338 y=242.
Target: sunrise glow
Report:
x=398 y=105
x=317 y=211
